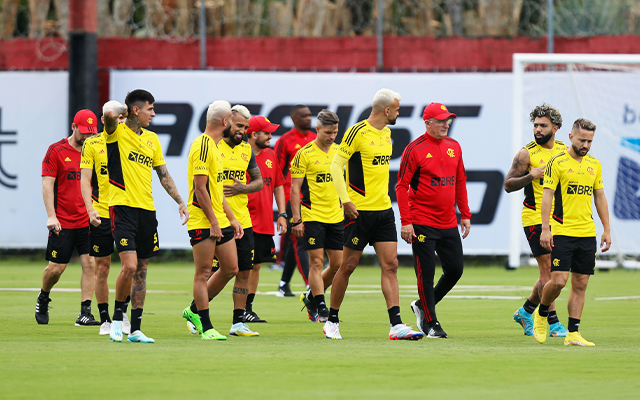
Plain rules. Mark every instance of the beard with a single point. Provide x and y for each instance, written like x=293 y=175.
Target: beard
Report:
x=262 y=145
x=577 y=150
x=391 y=121
x=227 y=131
x=544 y=139
x=234 y=140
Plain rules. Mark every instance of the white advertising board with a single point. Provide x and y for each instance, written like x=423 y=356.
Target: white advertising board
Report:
x=33 y=115
x=481 y=101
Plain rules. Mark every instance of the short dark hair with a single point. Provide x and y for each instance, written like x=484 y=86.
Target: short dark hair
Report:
x=583 y=123
x=295 y=109
x=326 y=117
x=549 y=111
x=135 y=97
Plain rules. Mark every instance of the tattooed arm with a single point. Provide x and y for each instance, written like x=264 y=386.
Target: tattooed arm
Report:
x=519 y=175
x=167 y=183
x=238 y=187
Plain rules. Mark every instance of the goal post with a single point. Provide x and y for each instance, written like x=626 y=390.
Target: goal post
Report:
x=603 y=88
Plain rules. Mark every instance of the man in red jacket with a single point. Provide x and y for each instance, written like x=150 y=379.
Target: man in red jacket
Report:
x=431 y=181
x=293 y=249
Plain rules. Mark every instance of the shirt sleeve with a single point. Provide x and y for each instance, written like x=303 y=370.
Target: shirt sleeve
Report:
x=598 y=184
x=279 y=178
x=86 y=161
x=281 y=154
x=158 y=157
x=200 y=161
x=408 y=167
x=252 y=160
x=461 y=189
x=298 y=165
x=349 y=143
x=50 y=163
x=551 y=175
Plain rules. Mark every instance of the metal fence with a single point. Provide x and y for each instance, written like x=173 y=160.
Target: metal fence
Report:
x=300 y=18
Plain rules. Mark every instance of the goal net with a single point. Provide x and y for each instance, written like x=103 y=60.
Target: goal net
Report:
x=606 y=90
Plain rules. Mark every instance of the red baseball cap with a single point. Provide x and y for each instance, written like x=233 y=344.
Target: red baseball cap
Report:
x=437 y=111
x=86 y=121
x=259 y=123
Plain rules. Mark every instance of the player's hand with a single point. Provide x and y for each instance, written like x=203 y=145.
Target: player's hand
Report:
x=546 y=240
x=298 y=230
x=232 y=190
x=350 y=210
x=114 y=109
x=407 y=233
x=465 y=225
x=605 y=241
x=215 y=232
x=184 y=213
x=53 y=225
x=538 y=173
x=282 y=225
x=94 y=218
x=238 y=232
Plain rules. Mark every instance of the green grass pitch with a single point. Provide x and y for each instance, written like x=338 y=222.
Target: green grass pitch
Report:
x=486 y=356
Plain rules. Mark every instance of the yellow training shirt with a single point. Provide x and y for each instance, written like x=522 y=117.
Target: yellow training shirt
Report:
x=320 y=201
x=538 y=157
x=205 y=159
x=369 y=152
x=94 y=157
x=236 y=163
x=574 y=183
x=131 y=158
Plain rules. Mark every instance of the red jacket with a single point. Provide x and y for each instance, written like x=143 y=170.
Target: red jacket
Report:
x=431 y=181
x=286 y=148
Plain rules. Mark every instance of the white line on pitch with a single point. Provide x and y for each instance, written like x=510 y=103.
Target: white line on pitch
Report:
x=618 y=298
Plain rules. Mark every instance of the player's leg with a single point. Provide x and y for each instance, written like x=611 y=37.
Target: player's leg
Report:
x=228 y=259
x=333 y=246
x=101 y=247
x=424 y=263
x=265 y=251
x=87 y=285
x=449 y=249
x=581 y=269
x=524 y=315
x=314 y=238
x=203 y=252
x=575 y=305
x=147 y=245
x=58 y=254
x=244 y=251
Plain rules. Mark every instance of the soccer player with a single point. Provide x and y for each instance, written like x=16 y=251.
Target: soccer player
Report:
x=366 y=151
x=321 y=223
x=572 y=177
x=431 y=182
x=286 y=148
x=527 y=172
x=261 y=205
x=212 y=226
x=67 y=219
x=95 y=193
x=133 y=151
x=239 y=161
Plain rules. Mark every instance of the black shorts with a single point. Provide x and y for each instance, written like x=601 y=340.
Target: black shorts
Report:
x=245 y=247
x=575 y=254
x=265 y=249
x=532 y=233
x=198 y=235
x=135 y=229
x=60 y=246
x=101 y=239
x=320 y=235
x=370 y=227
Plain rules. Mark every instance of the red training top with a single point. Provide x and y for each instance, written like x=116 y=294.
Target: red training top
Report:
x=286 y=148
x=261 y=203
x=431 y=181
x=62 y=162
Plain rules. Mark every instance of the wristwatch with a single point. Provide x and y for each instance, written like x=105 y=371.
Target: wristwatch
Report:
x=284 y=215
